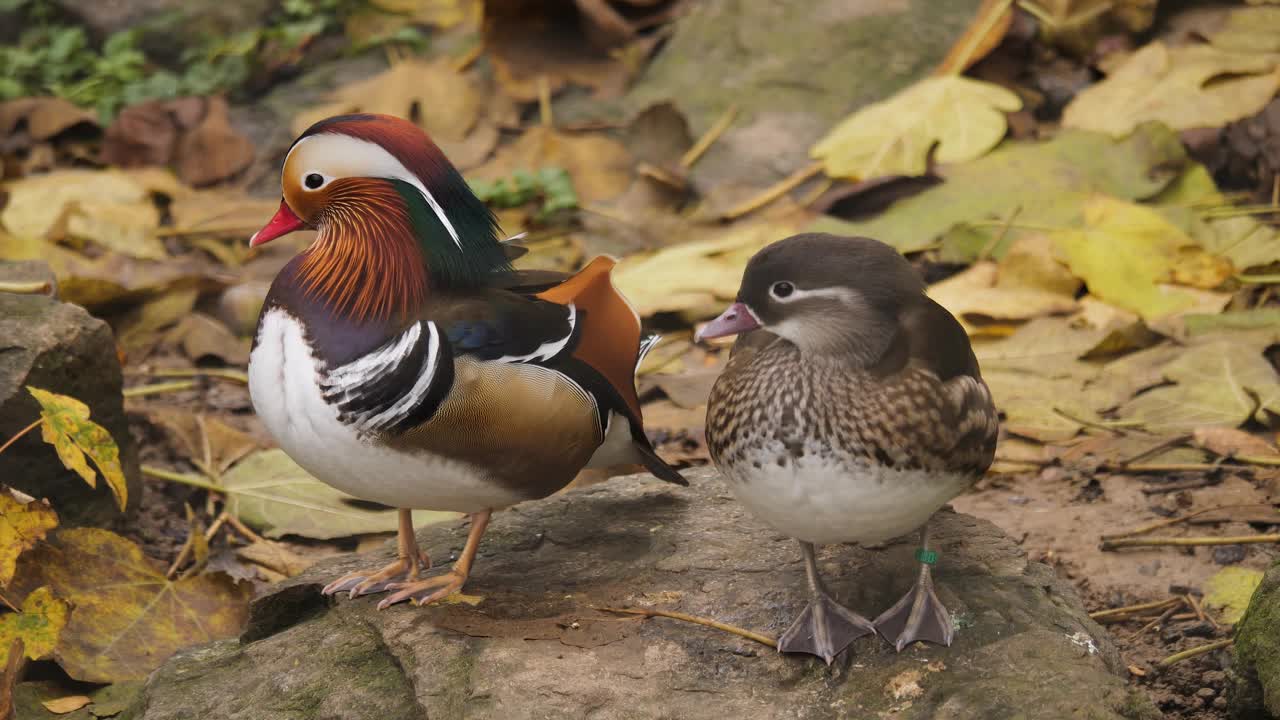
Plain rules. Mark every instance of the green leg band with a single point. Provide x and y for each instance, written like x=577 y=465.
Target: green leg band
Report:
x=928 y=557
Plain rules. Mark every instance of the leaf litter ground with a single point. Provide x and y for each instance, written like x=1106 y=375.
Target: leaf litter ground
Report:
x=1102 y=378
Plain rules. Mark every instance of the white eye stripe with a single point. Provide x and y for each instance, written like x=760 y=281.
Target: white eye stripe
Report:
x=347 y=156
x=840 y=293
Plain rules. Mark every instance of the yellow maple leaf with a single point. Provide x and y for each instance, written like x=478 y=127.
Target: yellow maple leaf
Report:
x=21 y=526
x=963 y=117
x=69 y=430
x=39 y=624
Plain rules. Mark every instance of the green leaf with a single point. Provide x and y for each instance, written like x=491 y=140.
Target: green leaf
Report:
x=271 y=493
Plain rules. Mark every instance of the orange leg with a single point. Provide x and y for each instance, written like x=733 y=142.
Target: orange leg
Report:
x=411 y=562
x=429 y=590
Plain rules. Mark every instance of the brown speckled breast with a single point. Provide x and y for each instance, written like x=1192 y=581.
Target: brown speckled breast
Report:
x=910 y=419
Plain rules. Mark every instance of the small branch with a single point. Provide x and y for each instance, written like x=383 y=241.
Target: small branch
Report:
x=988 y=24
x=195 y=482
x=244 y=530
x=239 y=376
x=8 y=604
x=708 y=138
x=1199 y=650
x=1130 y=609
x=544 y=102
x=159 y=388
x=1108 y=425
x=740 y=632
x=1144 y=529
x=1188 y=541
x=1163 y=617
x=25 y=288
x=19 y=434
x=464 y=61
x=783 y=187
x=1157 y=449
x=1262 y=279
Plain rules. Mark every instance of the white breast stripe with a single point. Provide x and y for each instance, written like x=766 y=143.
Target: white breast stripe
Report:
x=419 y=390
x=362 y=370
x=550 y=349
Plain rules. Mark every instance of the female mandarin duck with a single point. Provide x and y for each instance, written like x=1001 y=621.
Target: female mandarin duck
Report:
x=400 y=359
x=851 y=410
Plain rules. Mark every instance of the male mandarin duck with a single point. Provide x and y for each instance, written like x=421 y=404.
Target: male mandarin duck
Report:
x=400 y=359
x=852 y=408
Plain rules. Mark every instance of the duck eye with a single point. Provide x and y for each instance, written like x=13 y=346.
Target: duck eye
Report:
x=313 y=181
x=782 y=289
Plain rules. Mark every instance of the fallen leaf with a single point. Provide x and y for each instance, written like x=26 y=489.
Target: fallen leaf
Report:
x=128 y=617
x=1026 y=283
x=964 y=118
x=215 y=212
x=139 y=329
x=1251 y=29
x=529 y=40
x=1230 y=442
x=40 y=624
x=142 y=134
x=116 y=278
x=64 y=705
x=599 y=166
x=268 y=491
x=442 y=14
x=201 y=336
x=44 y=118
x=434 y=95
x=1222 y=380
x=1230 y=589
x=212 y=151
x=37 y=203
x=1043 y=184
x=1129 y=255
x=125 y=227
x=208 y=443
x=1184 y=87
x=68 y=428
x=696 y=277
x=22 y=525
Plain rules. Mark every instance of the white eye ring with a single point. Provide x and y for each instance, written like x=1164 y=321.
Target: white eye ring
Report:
x=782 y=290
x=314 y=181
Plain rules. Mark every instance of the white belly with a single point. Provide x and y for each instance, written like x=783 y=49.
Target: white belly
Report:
x=824 y=498
x=283 y=383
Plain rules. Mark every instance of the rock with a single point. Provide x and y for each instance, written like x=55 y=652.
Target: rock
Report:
x=1254 y=680
x=536 y=647
x=794 y=68
x=59 y=347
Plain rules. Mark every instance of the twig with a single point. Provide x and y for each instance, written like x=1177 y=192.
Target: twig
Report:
x=1129 y=609
x=1156 y=449
x=709 y=137
x=216 y=525
x=244 y=530
x=1109 y=425
x=162 y=474
x=1207 y=480
x=990 y=245
x=1163 y=617
x=544 y=102
x=1144 y=529
x=1198 y=650
x=158 y=388
x=740 y=632
x=1200 y=613
x=19 y=434
x=781 y=188
x=1189 y=541
x=470 y=56
x=25 y=288
x=1264 y=279
x=9 y=604
x=988 y=24
x=239 y=376
x=814 y=195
